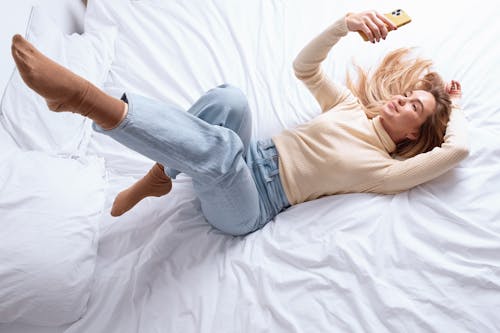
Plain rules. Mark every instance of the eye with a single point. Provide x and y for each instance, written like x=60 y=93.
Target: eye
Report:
x=414 y=107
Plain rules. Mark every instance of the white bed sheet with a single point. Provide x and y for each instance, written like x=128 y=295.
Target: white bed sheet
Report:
x=423 y=260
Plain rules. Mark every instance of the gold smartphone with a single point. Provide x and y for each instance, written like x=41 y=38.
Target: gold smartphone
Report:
x=398 y=17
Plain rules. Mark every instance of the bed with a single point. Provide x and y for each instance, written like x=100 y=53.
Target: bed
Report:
x=426 y=260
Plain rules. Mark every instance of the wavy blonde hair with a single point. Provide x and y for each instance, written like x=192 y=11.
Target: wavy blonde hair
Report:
x=397 y=74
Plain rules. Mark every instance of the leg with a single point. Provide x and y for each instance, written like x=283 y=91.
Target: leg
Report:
x=211 y=155
x=232 y=204
x=65 y=91
x=62 y=89
x=224 y=106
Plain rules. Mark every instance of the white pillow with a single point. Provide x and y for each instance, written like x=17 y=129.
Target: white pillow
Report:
x=50 y=209
x=26 y=116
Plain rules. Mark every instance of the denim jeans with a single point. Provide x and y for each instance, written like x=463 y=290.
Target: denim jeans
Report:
x=235 y=178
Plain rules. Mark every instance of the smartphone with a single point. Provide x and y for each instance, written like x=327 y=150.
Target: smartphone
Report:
x=398 y=17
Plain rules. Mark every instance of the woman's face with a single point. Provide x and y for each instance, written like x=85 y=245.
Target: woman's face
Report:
x=403 y=115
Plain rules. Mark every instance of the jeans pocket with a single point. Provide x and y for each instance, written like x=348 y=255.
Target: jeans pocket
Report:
x=264 y=145
x=268 y=169
x=272 y=171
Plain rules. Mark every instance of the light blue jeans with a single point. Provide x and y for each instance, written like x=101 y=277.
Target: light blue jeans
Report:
x=235 y=178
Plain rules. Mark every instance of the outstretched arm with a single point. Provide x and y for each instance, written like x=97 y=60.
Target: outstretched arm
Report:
x=307 y=65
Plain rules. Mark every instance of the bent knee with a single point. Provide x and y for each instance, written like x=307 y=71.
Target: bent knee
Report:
x=224 y=152
x=230 y=97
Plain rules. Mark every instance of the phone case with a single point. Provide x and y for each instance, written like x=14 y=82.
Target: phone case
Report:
x=398 y=17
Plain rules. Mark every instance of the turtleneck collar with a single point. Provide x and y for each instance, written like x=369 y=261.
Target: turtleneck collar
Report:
x=384 y=137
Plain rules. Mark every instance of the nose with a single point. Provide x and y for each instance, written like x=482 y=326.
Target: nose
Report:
x=401 y=100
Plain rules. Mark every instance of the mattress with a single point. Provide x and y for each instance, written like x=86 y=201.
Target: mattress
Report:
x=425 y=260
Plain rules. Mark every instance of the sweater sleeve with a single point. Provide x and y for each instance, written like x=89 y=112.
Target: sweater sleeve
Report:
x=403 y=175
x=307 y=67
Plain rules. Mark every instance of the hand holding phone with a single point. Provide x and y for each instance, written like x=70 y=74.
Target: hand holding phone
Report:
x=374 y=26
x=398 y=17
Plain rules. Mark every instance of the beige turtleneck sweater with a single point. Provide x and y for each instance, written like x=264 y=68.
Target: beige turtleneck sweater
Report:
x=341 y=150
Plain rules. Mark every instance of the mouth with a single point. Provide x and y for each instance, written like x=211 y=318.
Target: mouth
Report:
x=393 y=106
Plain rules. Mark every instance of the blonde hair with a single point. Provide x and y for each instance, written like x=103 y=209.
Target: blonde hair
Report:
x=397 y=74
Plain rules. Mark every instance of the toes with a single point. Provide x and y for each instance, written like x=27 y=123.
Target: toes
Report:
x=14 y=48
x=22 y=52
x=22 y=46
x=17 y=38
x=17 y=42
x=20 y=60
x=20 y=41
x=116 y=210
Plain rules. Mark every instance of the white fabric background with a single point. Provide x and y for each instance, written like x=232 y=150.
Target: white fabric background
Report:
x=421 y=261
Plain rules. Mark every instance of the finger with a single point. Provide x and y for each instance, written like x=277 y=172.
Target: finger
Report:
x=375 y=30
x=382 y=27
x=368 y=33
x=456 y=85
x=451 y=87
x=388 y=22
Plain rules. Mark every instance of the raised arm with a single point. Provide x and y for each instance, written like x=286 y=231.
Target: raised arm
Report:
x=307 y=65
x=419 y=169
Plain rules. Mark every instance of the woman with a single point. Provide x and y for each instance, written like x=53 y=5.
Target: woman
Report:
x=242 y=184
